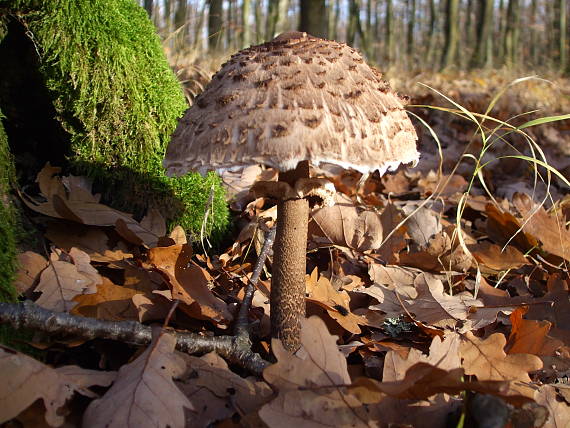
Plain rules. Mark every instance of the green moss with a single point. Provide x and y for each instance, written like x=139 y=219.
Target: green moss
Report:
x=118 y=100
x=7 y=222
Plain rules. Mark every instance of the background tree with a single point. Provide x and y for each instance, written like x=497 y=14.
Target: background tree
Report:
x=314 y=18
x=451 y=33
x=215 y=21
x=483 y=53
x=511 y=35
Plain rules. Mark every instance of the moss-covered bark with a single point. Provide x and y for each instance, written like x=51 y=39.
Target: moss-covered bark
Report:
x=117 y=101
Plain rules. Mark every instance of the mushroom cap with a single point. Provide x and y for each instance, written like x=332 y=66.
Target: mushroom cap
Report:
x=292 y=99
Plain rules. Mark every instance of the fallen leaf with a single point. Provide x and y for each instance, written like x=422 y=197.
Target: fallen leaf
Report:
x=301 y=378
x=486 y=359
x=30 y=265
x=558 y=409
x=336 y=303
x=494 y=257
x=345 y=225
x=62 y=280
x=92 y=240
x=25 y=380
x=443 y=354
x=550 y=229
x=530 y=336
x=110 y=302
x=144 y=393
x=390 y=248
x=398 y=278
x=230 y=393
x=433 y=306
x=504 y=228
x=189 y=283
x=421 y=225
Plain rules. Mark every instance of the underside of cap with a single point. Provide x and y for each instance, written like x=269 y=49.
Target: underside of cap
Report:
x=292 y=99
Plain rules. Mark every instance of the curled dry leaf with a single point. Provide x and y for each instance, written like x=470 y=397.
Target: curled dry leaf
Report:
x=550 y=229
x=189 y=283
x=63 y=280
x=144 y=394
x=78 y=205
x=336 y=303
x=504 y=228
x=345 y=225
x=25 y=380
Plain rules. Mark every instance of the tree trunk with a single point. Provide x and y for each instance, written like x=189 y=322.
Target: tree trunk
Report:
x=258 y=11
x=215 y=19
x=246 y=29
x=180 y=19
x=483 y=54
x=389 y=32
x=149 y=7
x=432 y=33
x=230 y=25
x=563 y=36
x=512 y=33
x=276 y=17
x=533 y=40
x=451 y=33
x=314 y=18
x=410 y=34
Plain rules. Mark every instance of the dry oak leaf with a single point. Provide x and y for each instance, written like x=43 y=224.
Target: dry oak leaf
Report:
x=90 y=239
x=189 y=283
x=396 y=278
x=63 y=280
x=434 y=307
x=496 y=258
x=302 y=380
x=229 y=392
x=111 y=302
x=77 y=204
x=345 y=225
x=25 y=380
x=530 y=336
x=390 y=248
x=558 y=408
x=504 y=228
x=486 y=359
x=443 y=354
x=550 y=229
x=30 y=265
x=144 y=394
x=336 y=303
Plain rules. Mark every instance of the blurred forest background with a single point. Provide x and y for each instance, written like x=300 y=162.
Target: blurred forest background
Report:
x=415 y=35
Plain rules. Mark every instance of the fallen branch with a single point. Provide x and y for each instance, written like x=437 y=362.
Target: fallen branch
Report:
x=31 y=316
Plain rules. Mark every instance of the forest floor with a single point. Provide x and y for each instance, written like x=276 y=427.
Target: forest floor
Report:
x=437 y=292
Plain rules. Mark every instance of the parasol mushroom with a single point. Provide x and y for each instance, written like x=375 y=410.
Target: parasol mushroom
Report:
x=293 y=101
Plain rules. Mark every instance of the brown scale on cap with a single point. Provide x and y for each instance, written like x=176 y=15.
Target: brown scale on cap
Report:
x=283 y=82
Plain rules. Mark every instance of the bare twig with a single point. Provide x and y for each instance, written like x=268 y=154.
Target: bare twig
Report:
x=241 y=328
x=31 y=316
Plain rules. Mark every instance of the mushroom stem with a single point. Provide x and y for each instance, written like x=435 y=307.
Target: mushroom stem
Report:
x=289 y=267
